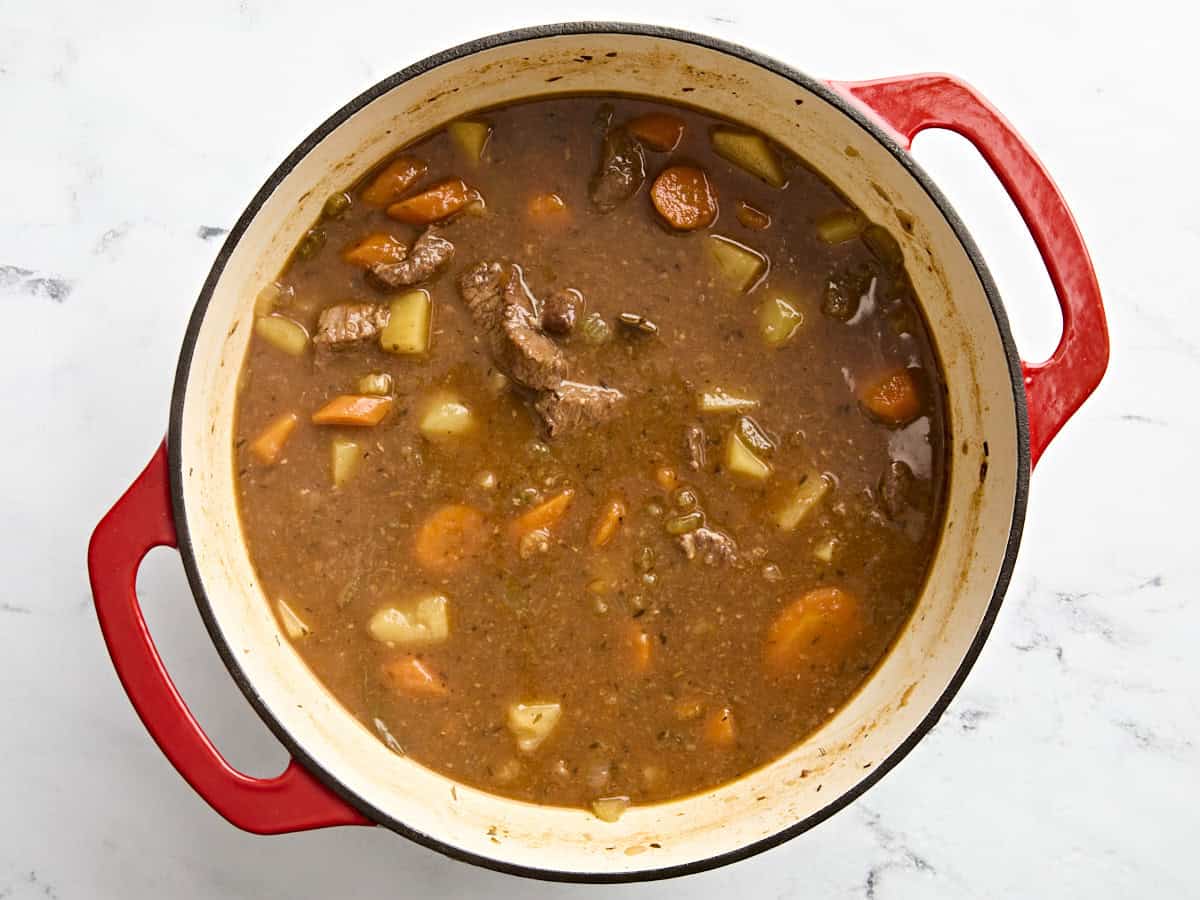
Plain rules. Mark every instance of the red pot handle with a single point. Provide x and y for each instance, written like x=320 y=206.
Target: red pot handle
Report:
x=909 y=104
x=140 y=521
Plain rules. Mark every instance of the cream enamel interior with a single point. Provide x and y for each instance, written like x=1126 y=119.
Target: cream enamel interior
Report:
x=911 y=679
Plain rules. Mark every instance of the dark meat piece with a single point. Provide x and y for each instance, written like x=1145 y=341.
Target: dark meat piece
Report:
x=895 y=488
x=572 y=405
x=499 y=302
x=695 y=443
x=525 y=353
x=710 y=546
x=482 y=289
x=621 y=173
x=430 y=253
x=560 y=312
x=349 y=324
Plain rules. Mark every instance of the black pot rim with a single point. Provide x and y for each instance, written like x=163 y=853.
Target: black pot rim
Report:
x=187 y=552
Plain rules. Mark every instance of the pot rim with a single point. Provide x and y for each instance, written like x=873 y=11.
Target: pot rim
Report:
x=500 y=39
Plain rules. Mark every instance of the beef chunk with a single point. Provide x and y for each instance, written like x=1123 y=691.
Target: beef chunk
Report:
x=622 y=170
x=349 y=324
x=571 y=406
x=482 y=289
x=560 y=312
x=525 y=352
x=710 y=546
x=695 y=444
x=896 y=488
x=429 y=254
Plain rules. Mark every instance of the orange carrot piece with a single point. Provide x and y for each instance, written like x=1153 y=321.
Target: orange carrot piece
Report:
x=353 y=409
x=611 y=516
x=658 y=131
x=719 y=727
x=269 y=443
x=545 y=515
x=376 y=250
x=893 y=398
x=665 y=478
x=396 y=178
x=451 y=535
x=548 y=207
x=641 y=649
x=411 y=676
x=752 y=216
x=815 y=629
x=684 y=197
x=439 y=202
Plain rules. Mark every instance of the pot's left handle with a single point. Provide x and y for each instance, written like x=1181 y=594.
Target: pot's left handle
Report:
x=140 y=521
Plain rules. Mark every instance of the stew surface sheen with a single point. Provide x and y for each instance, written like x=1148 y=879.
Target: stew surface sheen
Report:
x=646 y=499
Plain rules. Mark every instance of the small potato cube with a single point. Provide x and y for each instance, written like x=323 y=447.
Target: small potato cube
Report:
x=778 y=320
x=470 y=137
x=282 y=334
x=407 y=330
x=751 y=152
x=740 y=459
x=739 y=264
x=424 y=622
x=800 y=499
x=531 y=723
x=447 y=417
x=345 y=457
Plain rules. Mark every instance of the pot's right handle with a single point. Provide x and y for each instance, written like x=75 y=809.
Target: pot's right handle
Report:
x=909 y=104
x=140 y=521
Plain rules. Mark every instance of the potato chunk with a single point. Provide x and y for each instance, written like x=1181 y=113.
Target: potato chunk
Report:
x=800 y=499
x=751 y=152
x=282 y=334
x=446 y=418
x=407 y=330
x=470 y=137
x=740 y=265
x=740 y=459
x=531 y=723
x=424 y=622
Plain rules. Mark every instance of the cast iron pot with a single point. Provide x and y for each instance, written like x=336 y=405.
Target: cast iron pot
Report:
x=1002 y=414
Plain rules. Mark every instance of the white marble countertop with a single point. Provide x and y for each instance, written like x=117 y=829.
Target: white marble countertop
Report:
x=134 y=133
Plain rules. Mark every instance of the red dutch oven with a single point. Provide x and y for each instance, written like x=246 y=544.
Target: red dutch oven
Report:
x=1002 y=414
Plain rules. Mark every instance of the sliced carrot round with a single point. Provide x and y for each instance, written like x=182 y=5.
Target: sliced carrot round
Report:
x=684 y=197
x=449 y=537
x=818 y=628
x=893 y=398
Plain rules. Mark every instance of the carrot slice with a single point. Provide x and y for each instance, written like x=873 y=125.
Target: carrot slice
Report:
x=683 y=196
x=396 y=178
x=610 y=519
x=815 y=629
x=641 y=647
x=269 y=443
x=544 y=515
x=376 y=250
x=411 y=676
x=353 y=409
x=893 y=398
x=547 y=207
x=439 y=202
x=658 y=131
x=752 y=216
x=719 y=727
x=451 y=535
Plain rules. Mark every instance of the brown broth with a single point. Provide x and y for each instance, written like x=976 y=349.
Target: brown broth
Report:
x=556 y=626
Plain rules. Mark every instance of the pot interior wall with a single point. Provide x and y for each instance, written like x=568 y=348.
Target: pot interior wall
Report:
x=910 y=681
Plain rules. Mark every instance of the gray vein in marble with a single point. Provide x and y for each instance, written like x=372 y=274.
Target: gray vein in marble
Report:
x=36 y=284
x=14 y=608
x=1136 y=419
x=899 y=855
x=111 y=238
x=1148 y=739
x=209 y=232
x=31 y=883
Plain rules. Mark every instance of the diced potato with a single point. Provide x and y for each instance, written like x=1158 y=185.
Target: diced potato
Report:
x=407 y=330
x=800 y=499
x=345 y=456
x=295 y=626
x=840 y=226
x=751 y=152
x=742 y=266
x=779 y=320
x=531 y=723
x=377 y=383
x=282 y=334
x=824 y=550
x=741 y=459
x=424 y=622
x=470 y=137
x=447 y=417
x=719 y=400
x=609 y=809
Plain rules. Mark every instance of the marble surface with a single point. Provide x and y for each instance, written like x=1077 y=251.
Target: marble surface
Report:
x=133 y=134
